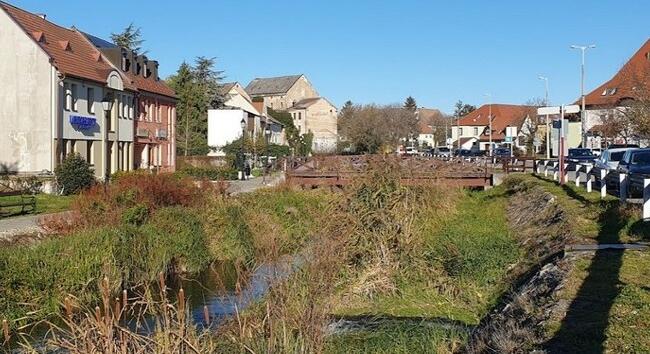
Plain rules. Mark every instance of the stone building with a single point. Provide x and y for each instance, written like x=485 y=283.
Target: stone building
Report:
x=310 y=112
x=59 y=96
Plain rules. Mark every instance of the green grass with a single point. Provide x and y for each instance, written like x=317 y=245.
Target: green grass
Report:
x=400 y=338
x=607 y=293
x=596 y=220
x=467 y=256
x=45 y=204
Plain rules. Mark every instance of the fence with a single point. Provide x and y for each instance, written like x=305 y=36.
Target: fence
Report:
x=625 y=185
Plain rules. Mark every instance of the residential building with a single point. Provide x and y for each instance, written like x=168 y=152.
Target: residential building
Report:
x=431 y=127
x=59 y=96
x=224 y=125
x=608 y=102
x=310 y=112
x=474 y=133
x=155 y=104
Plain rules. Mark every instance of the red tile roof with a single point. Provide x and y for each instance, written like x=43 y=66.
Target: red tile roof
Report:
x=634 y=75
x=70 y=52
x=152 y=85
x=503 y=115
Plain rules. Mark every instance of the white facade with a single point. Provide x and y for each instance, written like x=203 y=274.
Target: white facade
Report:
x=224 y=127
x=27 y=94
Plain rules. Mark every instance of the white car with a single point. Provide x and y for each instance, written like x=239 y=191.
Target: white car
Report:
x=411 y=150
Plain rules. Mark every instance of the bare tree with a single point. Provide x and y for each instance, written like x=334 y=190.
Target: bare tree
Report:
x=531 y=122
x=373 y=128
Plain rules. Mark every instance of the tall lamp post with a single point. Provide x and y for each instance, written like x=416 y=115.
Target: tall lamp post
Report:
x=267 y=133
x=489 y=97
x=583 y=49
x=548 y=126
x=107 y=106
x=241 y=152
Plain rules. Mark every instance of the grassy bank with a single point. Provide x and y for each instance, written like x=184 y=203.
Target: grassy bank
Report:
x=604 y=305
x=45 y=204
x=131 y=239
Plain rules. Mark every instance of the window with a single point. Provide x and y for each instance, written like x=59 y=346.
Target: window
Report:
x=74 y=95
x=299 y=115
x=159 y=113
x=125 y=112
x=475 y=130
x=152 y=111
x=460 y=131
x=132 y=107
x=68 y=97
x=90 y=96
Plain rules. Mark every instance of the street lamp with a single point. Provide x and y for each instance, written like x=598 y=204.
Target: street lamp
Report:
x=107 y=106
x=267 y=133
x=489 y=96
x=243 y=158
x=583 y=49
x=548 y=126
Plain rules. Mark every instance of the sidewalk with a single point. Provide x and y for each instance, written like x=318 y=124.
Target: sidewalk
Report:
x=253 y=184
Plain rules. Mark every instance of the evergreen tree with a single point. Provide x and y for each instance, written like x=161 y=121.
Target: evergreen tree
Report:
x=410 y=104
x=463 y=109
x=198 y=89
x=130 y=38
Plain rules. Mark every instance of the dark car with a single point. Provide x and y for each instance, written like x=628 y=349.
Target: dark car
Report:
x=502 y=152
x=636 y=164
x=468 y=153
x=581 y=155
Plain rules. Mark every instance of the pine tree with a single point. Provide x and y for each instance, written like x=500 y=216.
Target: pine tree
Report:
x=463 y=109
x=130 y=38
x=410 y=104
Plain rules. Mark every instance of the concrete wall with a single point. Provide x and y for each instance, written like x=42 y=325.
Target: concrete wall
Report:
x=26 y=90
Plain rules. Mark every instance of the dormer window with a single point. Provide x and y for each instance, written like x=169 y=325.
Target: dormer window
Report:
x=138 y=68
x=612 y=91
x=126 y=63
x=39 y=36
x=604 y=92
x=65 y=45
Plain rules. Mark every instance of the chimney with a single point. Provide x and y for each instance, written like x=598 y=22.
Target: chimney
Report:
x=153 y=69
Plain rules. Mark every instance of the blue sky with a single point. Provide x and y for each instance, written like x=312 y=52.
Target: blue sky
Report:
x=382 y=51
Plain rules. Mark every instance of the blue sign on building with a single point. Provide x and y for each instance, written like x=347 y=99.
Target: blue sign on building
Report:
x=83 y=123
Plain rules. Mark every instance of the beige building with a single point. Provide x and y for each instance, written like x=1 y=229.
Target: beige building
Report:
x=310 y=112
x=59 y=96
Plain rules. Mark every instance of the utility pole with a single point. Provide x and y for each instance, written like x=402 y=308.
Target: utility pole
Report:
x=489 y=96
x=548 y=122
x=583 y=49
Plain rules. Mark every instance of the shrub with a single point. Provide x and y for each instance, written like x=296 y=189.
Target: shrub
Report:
x=135 y=215
x=74 y=174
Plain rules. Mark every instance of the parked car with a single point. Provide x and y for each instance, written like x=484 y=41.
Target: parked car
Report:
x=580 y=155
x=608 y=159
x=468 y=153
x=411 y=150
x=619 y=146
x=426 y=151
x=442 y=151
x=501 y=152
x=636 y=164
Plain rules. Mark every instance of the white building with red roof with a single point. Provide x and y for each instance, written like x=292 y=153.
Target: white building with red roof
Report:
x=60 y=96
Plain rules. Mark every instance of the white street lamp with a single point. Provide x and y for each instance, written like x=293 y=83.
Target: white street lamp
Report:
x=583 y=49
x=548 y=123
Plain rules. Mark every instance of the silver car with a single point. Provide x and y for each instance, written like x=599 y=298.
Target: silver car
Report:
x=608 y=159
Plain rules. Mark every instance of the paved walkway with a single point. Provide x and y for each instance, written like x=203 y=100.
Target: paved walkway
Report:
x=253 y=184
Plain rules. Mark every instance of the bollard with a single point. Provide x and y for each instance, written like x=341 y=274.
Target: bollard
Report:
x=622 y=187
x=565 y=178
x=545 y=168
x=603 y=184
x=555 y=171
x=646 y=199
x=578 y=169
x=589 y=168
